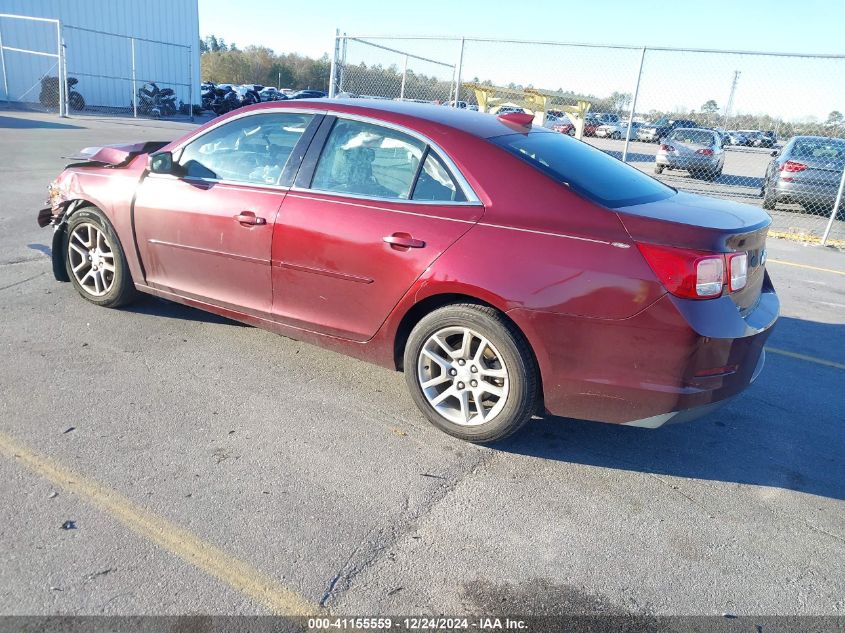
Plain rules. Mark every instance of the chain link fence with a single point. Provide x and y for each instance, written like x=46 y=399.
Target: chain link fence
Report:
x=54 y=67
x=754 y=127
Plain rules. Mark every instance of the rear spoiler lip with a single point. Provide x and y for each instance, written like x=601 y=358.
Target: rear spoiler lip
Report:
x=114 y=156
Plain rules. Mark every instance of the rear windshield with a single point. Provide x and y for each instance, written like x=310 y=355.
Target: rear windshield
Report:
x=586 y=170
x=819 y=148
x=697 y=137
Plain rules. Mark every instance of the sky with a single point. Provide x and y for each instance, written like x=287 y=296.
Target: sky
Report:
x=792 y=88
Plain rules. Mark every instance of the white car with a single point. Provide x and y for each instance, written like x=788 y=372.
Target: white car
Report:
x=617 y=130
x=552 y=121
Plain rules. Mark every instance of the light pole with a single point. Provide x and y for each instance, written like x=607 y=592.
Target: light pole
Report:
x=731 y=99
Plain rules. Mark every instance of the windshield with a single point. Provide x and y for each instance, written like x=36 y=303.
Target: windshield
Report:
x=586 y=170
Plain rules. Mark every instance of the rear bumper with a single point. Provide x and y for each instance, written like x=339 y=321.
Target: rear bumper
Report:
x=688 y=415
x=806 y=193
x=655 y=367
x=685 y=162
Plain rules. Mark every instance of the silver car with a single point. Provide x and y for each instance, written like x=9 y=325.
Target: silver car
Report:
x=697 y=150
x=806 y=171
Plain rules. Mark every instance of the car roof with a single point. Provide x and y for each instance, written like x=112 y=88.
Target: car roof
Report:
x=406 y=113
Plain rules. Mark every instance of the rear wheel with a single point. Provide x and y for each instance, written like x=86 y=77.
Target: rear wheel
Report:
x=471 y=372
x=769 y=198
x=95 y=262
x=616 y=136
x=76 y=101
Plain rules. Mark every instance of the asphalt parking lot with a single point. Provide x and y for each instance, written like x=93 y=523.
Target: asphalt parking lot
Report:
x=209 y=467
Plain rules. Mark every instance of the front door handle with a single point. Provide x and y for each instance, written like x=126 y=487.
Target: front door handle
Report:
x=248 y=218
x=403 y=241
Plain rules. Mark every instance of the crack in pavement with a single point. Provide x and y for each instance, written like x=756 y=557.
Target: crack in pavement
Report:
x=22 y=281
x=372 y=550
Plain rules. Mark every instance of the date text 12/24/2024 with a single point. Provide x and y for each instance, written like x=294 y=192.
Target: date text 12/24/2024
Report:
x=417 y=624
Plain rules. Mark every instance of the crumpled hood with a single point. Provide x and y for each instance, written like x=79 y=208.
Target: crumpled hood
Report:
x=114 y=155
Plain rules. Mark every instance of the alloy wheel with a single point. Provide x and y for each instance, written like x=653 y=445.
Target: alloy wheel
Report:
x=462 y=376
x=91 y=259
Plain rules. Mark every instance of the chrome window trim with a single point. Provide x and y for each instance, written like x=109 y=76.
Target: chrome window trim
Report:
x=358 y=196
x=241 y=115
x=472 y=198
x=469 y=193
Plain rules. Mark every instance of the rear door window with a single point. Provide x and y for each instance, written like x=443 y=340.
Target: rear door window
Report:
x=435 y=183
x=584 y=169
x=368 y=160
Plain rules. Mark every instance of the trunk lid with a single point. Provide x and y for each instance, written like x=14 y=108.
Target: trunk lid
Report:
x=706 y=224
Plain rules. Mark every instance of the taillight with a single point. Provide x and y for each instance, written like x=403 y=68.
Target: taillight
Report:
x=686 y=273
x=737 y=271
x=792 y=166
x=705 y=152
x=666 y=148
x=696 y=274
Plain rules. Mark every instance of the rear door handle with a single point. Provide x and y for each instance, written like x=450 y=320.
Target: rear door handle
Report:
x=403 y=240
x=248 y=218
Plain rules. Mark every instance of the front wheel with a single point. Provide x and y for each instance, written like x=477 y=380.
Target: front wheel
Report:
x=616 y=136
x=471 y=372
x=95 y=262
x=658 y=168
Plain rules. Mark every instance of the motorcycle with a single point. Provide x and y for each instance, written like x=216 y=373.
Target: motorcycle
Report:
x=49 y=96
x=156 y=102
x=225 y=99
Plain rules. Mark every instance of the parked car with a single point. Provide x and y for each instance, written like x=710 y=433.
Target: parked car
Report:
x=655 y=132
x=771 y=138
x=378 y=229
x=618 y=130
x=697 y=150
x=807 y=171
x=270 y=93
x=553 y=120
x=308 y=94
x=591 y=124
x=607 y=118
x=507 y=109
x=761 y=139
x=736 y=138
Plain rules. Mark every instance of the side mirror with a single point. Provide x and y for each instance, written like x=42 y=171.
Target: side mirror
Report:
x=160 y=163
x=775 y=153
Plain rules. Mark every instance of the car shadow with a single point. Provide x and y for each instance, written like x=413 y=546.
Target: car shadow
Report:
x=784 y=432
x=153 y=306
x=16 y=123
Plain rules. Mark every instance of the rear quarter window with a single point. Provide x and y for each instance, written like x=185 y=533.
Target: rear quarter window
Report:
x=584 y=169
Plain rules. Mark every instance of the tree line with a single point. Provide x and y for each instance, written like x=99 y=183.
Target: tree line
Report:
x=223 y=62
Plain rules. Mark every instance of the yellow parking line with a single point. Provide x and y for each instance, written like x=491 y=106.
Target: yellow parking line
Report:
x=237 y=574
x=811 y=359
x=807 y=266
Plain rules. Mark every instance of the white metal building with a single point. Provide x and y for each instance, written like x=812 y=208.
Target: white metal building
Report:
x=101 y=39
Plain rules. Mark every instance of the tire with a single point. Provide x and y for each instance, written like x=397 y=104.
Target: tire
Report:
x=769 y=198
x=616 y=136
x=76 y=101
x=88 y=230
x=504 y=362
x=658 y=169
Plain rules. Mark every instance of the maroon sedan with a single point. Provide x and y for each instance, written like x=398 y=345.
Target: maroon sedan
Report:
x=507 y=269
